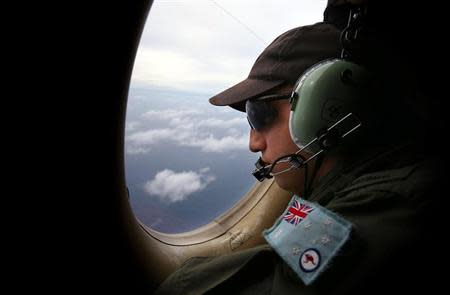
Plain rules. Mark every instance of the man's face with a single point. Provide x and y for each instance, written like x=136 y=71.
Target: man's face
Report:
x=275 y=141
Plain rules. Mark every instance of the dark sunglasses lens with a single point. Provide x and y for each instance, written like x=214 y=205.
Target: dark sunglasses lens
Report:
x=260 y=114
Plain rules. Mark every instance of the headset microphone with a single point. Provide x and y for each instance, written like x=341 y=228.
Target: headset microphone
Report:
x=262 y=171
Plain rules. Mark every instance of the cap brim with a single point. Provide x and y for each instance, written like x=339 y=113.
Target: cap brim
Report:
x=239 y=93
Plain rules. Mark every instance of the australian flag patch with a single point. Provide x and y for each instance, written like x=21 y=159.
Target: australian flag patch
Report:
x=307 y=236
x=297 y=212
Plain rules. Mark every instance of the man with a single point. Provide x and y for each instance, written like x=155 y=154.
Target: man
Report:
x=360 y=219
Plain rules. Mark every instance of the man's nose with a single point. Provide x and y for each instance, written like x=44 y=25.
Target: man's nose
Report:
x=257 y=142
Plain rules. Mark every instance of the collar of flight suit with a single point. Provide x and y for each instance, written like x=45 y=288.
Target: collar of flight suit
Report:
x=347 y=170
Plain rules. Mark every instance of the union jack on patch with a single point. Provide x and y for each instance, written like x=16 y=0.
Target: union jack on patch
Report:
x=297 y=212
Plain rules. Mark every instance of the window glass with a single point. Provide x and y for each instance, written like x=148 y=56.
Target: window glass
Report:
x=187 y=161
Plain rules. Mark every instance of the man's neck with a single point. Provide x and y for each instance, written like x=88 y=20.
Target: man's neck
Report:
x=328 y=163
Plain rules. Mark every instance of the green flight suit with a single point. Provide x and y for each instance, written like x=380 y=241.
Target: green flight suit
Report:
x=388 y=197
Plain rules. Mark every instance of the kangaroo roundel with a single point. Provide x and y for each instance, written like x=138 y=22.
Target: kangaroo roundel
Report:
x=309 y=260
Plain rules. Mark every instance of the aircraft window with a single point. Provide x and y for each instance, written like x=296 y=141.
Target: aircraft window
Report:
x=187 y=162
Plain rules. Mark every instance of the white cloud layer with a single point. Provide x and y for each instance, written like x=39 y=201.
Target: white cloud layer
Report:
x=137 y=150
x=170 y=114
x=219 y=145
x=173 y=187
x=188 y=128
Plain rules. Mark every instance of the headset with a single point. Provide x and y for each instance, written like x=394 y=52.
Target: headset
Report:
x=331 y=100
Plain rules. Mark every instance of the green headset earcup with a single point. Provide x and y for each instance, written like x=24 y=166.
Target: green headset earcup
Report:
x=326 y=93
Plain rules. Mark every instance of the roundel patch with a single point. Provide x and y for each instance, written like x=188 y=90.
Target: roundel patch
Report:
x=309 y=260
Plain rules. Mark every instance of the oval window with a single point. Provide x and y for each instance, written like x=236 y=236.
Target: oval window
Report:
x=187 y=162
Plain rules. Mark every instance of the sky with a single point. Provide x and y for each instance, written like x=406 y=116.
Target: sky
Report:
x=188 y=161
x=208 y=45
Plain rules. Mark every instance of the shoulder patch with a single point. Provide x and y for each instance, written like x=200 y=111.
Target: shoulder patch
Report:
x=307 y=236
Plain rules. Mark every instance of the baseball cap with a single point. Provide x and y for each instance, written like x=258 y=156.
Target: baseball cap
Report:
x=282 y=62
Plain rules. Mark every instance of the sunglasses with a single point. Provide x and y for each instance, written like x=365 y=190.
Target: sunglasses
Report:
x=260 y=112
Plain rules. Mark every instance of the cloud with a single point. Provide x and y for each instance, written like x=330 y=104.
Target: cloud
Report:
x=175 y=187
x=132 y=126
x=187 y=127
x=218 y=145
x=150 y=137
x=219 y=123
x=137 y=150
x=170 y=114
x=139 y=142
